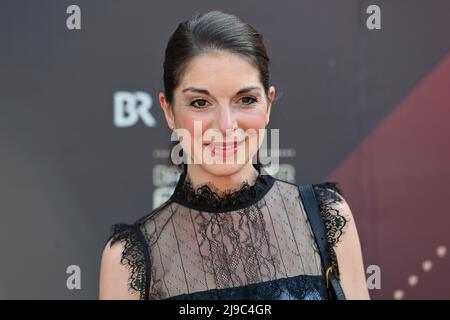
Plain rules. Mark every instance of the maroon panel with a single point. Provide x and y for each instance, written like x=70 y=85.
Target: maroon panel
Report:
x=397 y=185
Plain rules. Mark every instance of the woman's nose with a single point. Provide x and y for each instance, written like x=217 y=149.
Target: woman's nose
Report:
x=226 y=119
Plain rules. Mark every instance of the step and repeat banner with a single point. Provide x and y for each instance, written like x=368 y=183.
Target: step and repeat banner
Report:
x=362 y=99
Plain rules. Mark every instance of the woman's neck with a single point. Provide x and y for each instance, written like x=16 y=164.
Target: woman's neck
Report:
x=199 y=176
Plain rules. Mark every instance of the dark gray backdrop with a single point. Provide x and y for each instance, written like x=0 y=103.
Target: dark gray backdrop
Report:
x=68 y=172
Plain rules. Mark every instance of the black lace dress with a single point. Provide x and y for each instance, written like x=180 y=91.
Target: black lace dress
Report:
x=251 y=243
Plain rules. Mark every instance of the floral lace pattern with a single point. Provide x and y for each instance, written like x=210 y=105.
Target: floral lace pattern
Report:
x=132 y=255
x=335 y=221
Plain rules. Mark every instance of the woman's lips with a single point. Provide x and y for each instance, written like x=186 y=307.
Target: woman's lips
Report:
x=224 y=149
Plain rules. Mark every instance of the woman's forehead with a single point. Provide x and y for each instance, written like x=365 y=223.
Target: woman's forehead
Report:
x=219 y=71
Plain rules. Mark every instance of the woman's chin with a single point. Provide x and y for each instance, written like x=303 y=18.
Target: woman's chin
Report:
x=223 y=169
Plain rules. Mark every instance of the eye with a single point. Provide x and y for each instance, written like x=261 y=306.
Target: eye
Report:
x=199 y=103
x=248 y=100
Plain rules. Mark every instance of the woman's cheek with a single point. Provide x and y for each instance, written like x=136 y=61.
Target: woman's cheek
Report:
x=193 y=123
x=254 y=122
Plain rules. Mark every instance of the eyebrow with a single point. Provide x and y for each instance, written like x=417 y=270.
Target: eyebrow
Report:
x=204 y=91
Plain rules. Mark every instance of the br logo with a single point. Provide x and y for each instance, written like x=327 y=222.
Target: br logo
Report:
x=129 y=107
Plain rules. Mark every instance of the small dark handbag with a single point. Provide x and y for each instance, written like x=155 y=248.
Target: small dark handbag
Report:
x=317 y=224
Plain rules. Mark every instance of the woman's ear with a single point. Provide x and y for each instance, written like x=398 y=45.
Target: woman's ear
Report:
x=167 y=108
x=271 y=96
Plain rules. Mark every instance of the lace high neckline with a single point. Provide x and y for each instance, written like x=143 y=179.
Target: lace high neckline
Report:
x=206 y=198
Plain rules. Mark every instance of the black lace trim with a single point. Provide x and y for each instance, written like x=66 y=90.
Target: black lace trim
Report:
x=335 y=221
x=207 y=198
x=132 y=256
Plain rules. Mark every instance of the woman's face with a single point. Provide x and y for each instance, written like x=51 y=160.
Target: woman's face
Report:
x=220 y=105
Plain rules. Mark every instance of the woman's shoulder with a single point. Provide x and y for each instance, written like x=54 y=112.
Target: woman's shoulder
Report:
x=328 y=192
x=335 y=213
x=125 y=256
x=333 y=207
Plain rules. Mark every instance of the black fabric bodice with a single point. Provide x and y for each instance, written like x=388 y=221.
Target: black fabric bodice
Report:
x=253 y=242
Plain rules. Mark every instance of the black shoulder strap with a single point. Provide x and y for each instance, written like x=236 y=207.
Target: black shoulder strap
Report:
x=316 y=222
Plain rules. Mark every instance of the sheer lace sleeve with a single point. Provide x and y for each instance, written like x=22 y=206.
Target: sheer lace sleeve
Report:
x=328 y=197
x=134 y=255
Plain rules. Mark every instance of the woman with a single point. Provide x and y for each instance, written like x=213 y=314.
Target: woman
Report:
x=229 y=230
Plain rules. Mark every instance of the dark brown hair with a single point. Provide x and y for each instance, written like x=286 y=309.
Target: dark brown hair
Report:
x=212 y=31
